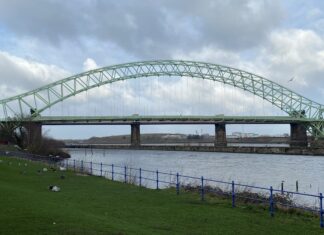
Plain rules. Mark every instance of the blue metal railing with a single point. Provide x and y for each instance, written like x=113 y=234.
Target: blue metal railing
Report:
x=157 y=178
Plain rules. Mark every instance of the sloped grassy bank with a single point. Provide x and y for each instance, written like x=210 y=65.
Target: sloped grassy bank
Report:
x=94 y=205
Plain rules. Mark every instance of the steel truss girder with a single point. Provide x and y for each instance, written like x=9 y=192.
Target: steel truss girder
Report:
x=287 y=100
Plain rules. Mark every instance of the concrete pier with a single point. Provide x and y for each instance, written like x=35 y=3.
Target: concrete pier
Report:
x=220 y=135
x=135 y=135
x=298 y=135
x=34 y=131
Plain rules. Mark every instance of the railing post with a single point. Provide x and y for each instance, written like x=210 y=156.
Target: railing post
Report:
x=177 y=185
x=202 y=189
x=125 y=174
x=233 y=194
x=112 y=172
x=91 y=167
x=82 y=166
x=74 y=165
x=100 y=168
x=321 y=210
x=67 y=164
x=296 y=185
x=271 y=201
x=157 y=179
x=282 y=187
x=140 y=177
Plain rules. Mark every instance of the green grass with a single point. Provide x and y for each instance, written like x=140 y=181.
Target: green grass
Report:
x=93 y=205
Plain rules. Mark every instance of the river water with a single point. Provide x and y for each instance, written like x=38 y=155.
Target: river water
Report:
x=262 y=170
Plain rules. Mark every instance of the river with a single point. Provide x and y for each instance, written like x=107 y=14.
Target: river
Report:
x=263 y=170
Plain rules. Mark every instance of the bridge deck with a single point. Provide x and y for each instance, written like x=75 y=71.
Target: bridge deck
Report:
x=153 y=120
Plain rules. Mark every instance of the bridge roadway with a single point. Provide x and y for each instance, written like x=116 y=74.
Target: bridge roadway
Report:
x=158 y=120
x=298 y=126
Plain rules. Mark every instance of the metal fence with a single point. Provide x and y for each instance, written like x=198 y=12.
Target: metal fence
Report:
x=273 y=198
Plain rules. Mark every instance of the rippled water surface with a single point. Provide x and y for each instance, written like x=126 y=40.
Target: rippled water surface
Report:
x=254 y=169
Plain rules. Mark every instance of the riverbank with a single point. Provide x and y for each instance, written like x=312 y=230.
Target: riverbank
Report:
x=94 y=205
x=169 y=138
x=11 y=151
x=230 y=149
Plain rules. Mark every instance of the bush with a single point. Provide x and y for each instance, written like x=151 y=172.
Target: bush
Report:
x=14 y=132
x=48 y=146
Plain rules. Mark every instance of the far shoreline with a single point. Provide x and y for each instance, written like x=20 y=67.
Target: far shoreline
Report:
x=309 y=151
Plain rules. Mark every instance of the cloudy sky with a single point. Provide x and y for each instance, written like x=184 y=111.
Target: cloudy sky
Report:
x=45 y=40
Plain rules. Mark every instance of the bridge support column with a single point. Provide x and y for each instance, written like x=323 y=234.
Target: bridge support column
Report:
x=298 y=135
x=135 y=135
x=34 y=131
x=220 y=135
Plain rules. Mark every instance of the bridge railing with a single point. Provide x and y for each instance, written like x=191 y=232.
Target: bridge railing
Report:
x=274 y=199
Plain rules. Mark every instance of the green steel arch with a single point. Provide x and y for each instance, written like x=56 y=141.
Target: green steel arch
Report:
x=44 y=97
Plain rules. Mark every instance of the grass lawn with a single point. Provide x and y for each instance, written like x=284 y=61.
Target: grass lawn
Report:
x=94 y=205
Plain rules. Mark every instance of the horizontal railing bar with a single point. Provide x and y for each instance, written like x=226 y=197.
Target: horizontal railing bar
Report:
x=296 y=193
x=118 y=173
x=105 y=164
x=148 y=179
x=217 y=181
x=143 y=170
x=166 y=182
x=165 y=173
x=250 y=186
x=190 y=177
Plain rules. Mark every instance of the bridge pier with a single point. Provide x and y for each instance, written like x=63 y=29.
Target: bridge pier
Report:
x=34 y=131
x=135 y=135
x=298 y=135
x=220 y=135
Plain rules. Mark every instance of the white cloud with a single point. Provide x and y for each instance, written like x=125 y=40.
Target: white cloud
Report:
x=288 y=53
x=21 y=75
x=89 y=64
x=217 y=56
x=295 y=53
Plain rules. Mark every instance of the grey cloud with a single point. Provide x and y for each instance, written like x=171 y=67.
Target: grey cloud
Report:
x=48 y=20
x=234 y=24
x=144 y=28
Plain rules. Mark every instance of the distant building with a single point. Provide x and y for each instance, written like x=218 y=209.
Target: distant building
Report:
x=205 y=136
x=173 y=136
x=244 y=135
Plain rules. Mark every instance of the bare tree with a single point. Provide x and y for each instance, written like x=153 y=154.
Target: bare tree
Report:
x=13 y=131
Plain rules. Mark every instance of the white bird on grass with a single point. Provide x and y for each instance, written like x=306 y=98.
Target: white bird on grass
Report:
x=54 y=188
x=62 y=168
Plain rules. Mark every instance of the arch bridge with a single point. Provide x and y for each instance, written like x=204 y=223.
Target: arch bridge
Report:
x=303 y=113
